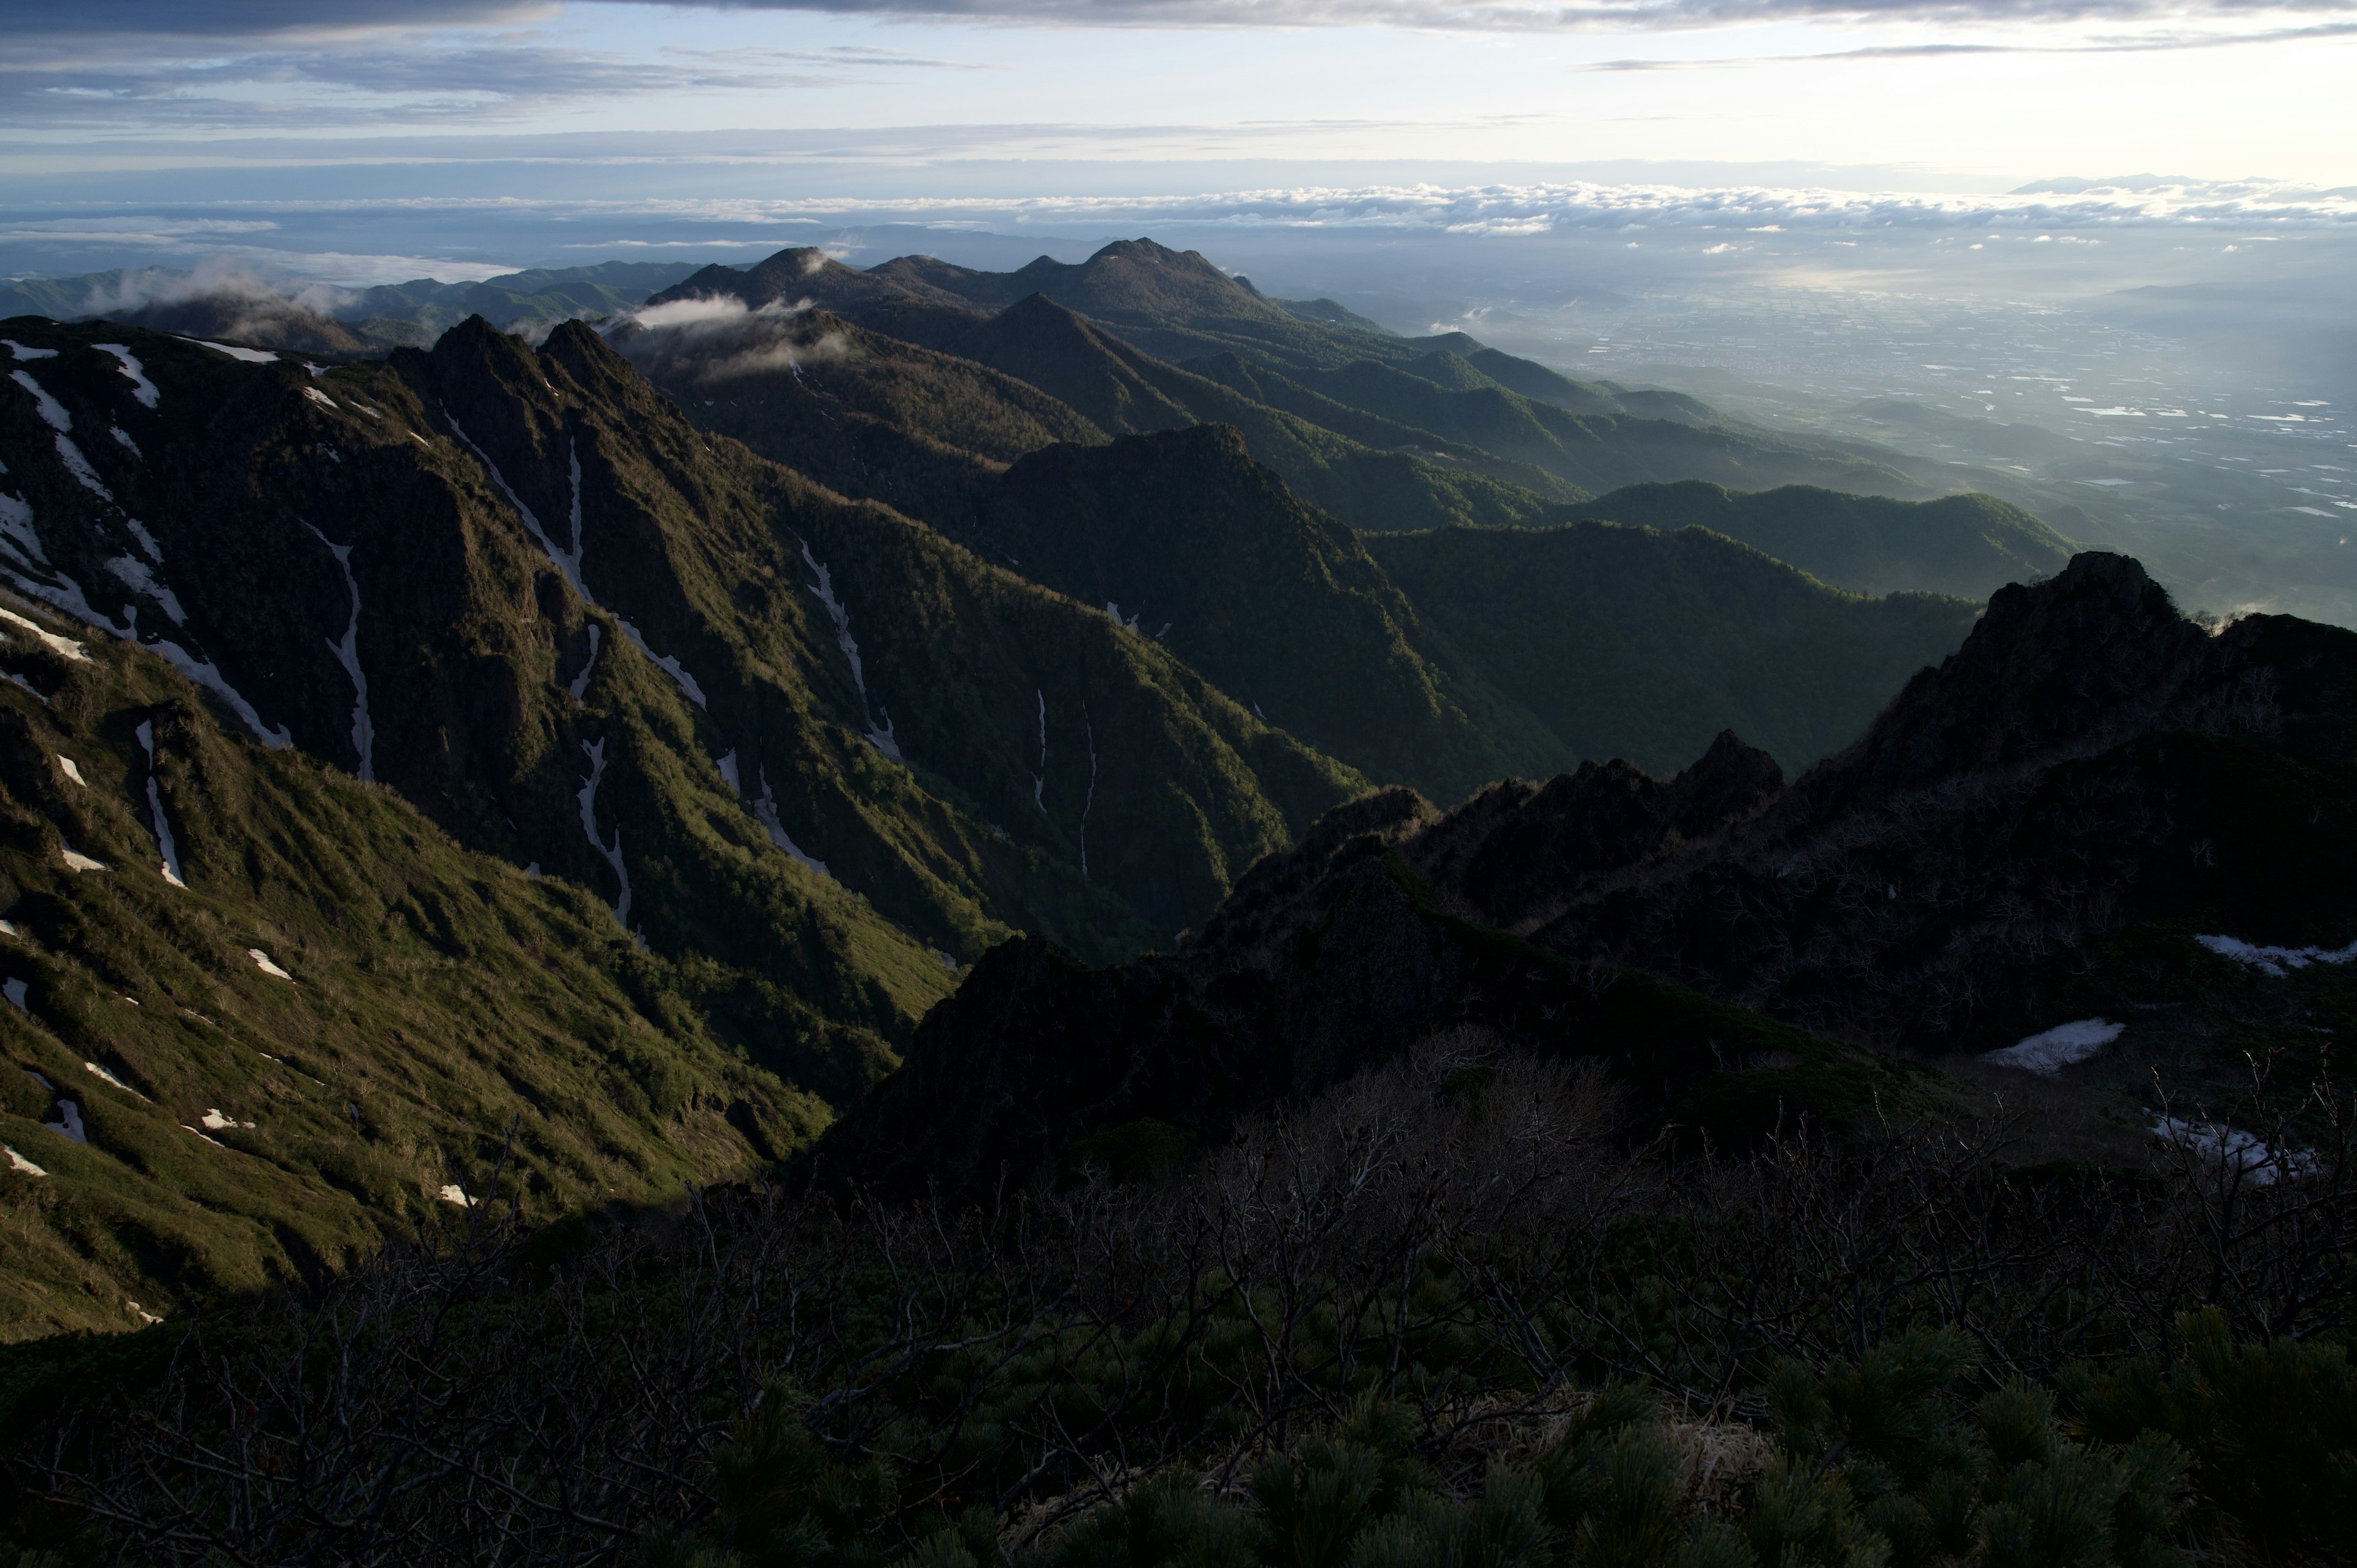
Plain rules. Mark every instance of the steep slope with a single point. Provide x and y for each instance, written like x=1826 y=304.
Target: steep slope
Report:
x=1630 y=642
x=2033 y=832
x=1971 y=545
x=799 y=737
x=262 y=1016
x=1208 y=552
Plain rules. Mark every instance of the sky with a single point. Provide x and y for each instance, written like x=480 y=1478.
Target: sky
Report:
x=150 y=129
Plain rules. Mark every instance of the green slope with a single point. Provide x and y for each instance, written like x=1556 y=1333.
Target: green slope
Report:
x=1630 y=642
x=1208 y=552
x=820 y=833
x=441 y=1014
x=1970 y=545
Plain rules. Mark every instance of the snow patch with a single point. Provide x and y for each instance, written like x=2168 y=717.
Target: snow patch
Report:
x=613 y=858
x=250 y=356
x=262 y=962
x=881 y=739
x=1113 y=611
x=77 y=861
x=100 y=1072
x=146 y=539
x=128 y=363
x=765 y=811
x=16 y=991
x=2231 y=1150
x=1039 y=779
x=348 y=654
x=569 y=562
x=145 y=1316
x=2050 y=1052
x=79 y=466
x=727 y=765
x=18 y=1163
x=216 y=1142
x=2275 y=962
x=1089 y=800
x=205 y=674
x=69 y=1123
x=123 y=439
x=452 y=1193
x=52 y=412
x=213 y=1121
x=581 y=682
x=72 y=769
x=17 y=530
x=322 y=399
x=171 y=867
x=22 y=352
x=134 y=574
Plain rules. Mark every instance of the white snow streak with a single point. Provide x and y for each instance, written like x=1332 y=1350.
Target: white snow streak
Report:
x=2275 y=962
x=102 y=1072
x=581 y=682
x=1091 y=799
x=881 y=739
x=53 y=413
x=213 y=1121
x=206 y=675
x=146 y=539
x=18 y=1162
x=727 y=765
x=2058 y=1048
x=77 y=861
x=322 y=399
x=69 y=1123
x=569 y=562
x=135 y=576
x=17 y=530
x=262 y=962
x=1039 y=779
x=147 y=734
x=123 y=439
x=140 y=387
x=251 y=356
x=452 y=1193
x=16 y=991
x=613 y=858
x=1114 y=609
x=2232 y=1151
x=348 y=654
x=72 y=769
x=765 y=811
x=22 y=352
x=78 y=465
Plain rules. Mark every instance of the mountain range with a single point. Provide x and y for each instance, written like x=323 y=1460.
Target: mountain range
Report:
x=768 y=679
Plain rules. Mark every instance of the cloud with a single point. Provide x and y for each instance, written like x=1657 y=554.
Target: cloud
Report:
x=719 y=339
x=1536 y=16
x=2154 y=43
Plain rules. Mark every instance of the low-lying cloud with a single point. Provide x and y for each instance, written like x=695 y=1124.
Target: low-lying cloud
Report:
x=719 y=339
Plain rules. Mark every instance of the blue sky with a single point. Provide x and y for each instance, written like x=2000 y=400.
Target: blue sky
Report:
x=192 y=117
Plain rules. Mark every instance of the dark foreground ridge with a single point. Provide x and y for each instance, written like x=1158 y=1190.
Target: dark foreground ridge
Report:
x=2090 y=764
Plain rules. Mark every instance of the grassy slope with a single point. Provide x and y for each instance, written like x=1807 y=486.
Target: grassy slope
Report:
x=438 y=998
x=1282 y=609
x=1971 y=545
x=1633 y=643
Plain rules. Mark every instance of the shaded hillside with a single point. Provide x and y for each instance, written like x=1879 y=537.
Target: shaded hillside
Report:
x=1971 y=545
x=1630 y=642
x=263 y=1016
x=2031 y=833
x=803 y=738
x=1444 y=400
x=862 y=414
x=1187 y=539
